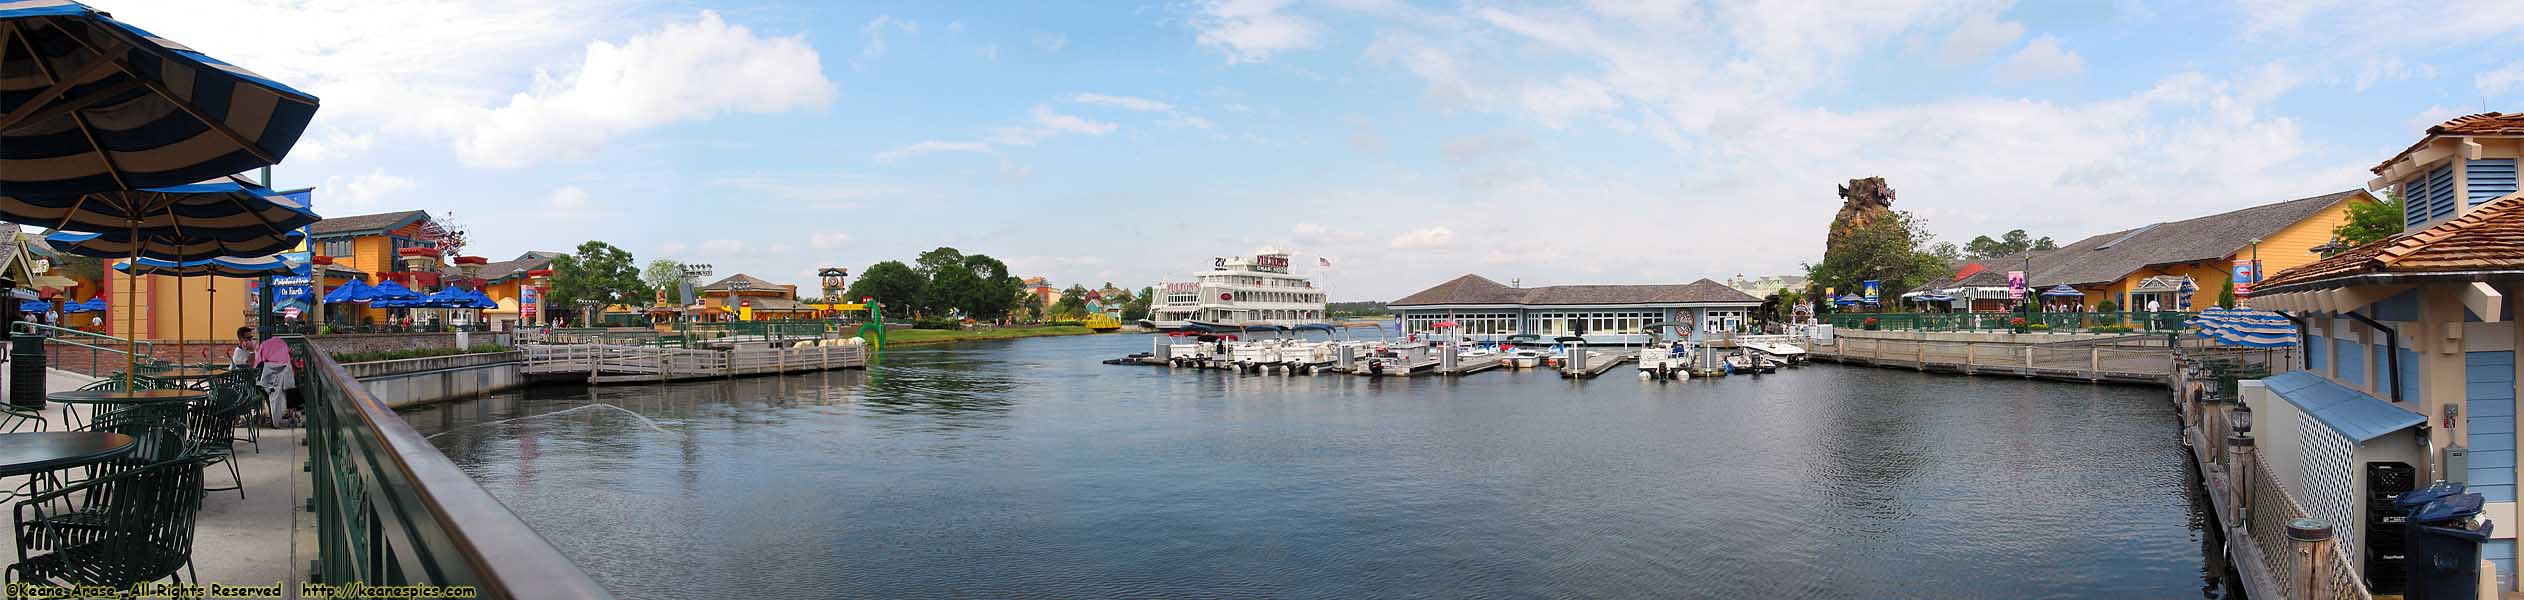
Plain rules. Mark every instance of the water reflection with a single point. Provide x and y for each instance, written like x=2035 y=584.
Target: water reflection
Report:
x=1025 y=469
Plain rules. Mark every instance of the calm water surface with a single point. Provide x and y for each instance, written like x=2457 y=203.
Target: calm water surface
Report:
x=1024 y=468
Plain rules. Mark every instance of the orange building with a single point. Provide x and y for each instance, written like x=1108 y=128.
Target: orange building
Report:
x=753 y=299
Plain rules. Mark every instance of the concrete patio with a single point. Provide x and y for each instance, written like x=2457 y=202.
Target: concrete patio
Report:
x=265 y=537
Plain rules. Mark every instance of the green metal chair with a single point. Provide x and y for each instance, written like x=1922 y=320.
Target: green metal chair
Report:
x=134 y=526
x=14 y=418
x=158 y=434
x=210 y=428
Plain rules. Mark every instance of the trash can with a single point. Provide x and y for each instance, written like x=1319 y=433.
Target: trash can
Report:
x=2444 y=548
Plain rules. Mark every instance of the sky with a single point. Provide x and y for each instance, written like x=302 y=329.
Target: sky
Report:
x=1407 y=143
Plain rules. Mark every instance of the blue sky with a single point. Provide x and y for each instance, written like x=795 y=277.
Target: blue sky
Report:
x=1593 y=142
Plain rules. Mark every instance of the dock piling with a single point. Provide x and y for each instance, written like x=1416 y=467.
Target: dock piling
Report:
x=2308 y=543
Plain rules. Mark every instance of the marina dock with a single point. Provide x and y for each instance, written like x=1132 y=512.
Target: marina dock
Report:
x=609 y=363
x=1596 y=364
x=2130 y=360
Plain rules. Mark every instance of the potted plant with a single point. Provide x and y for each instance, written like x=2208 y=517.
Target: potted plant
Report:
x=1871 y=324
x=2018 y=323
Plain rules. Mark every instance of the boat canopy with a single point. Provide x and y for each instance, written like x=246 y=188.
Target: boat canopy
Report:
x=1523 y=337
x=1315 y=327
x=1569 y=339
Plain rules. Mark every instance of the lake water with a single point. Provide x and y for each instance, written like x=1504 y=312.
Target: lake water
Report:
x=1024 y=468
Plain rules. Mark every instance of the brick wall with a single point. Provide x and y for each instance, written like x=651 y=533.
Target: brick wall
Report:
x=82 y=360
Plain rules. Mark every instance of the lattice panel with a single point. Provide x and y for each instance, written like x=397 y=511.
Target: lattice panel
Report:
x=2327 y=489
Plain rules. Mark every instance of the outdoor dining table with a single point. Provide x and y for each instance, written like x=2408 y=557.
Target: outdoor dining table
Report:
x=37 y=452
x=189 y=374
x=119 y=397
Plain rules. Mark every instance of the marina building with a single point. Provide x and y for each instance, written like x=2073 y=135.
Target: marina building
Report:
x=1482 y=309
x=2422 y=327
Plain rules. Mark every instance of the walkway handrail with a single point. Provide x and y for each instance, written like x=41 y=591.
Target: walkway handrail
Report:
x=66 y=336
x=392 y=510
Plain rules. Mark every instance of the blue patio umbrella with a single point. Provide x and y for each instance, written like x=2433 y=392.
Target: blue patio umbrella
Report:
x=355 y=291
x=484 y=301
x=34 y=306
x=93 y=305
x=1847 y=299
x=93 y=104
x=2062 y=291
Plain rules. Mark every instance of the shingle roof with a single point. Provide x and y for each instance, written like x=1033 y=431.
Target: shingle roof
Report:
x=2108 y=257
x=1475 y=289
x=2488 y=123
x=362 y=223
x=752 y=283
x=2488 y=238
x=511 y=268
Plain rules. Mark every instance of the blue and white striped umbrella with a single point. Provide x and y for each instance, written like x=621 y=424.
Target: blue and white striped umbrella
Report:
x=113 y=246
x=242 y=268
x=226 y=217
x=101 y=105
x=2247 y=328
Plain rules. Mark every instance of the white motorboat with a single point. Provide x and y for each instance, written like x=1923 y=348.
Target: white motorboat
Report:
x=1523 y=358
x=1661 y=361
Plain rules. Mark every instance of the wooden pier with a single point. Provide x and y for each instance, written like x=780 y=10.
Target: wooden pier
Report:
x=1596 y=364
x=2089 y=362
x=611 y=364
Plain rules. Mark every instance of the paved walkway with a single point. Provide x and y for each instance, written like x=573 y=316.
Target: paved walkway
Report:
x=255 y=540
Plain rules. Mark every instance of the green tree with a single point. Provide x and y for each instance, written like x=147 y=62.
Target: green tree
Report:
x=664 y=274
x=1073 y=303
x=1889 y=250
x=985 y=294
x=890 y=282
x=1946 y=251
x=2226 y=294
x=2012 y=242
x=2370 y=222
x=1139 y=305
x=598 y=272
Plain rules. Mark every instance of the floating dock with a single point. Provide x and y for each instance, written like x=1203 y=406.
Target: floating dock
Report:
x=611 y=364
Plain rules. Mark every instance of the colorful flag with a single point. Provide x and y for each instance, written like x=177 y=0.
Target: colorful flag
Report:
x=1325 y=262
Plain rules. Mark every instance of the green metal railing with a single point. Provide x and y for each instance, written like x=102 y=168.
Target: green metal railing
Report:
x=2064 y=322
x=106 y=354
x=690 y=333
x=392 y=511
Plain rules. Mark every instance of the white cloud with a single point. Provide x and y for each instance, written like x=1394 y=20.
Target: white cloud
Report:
x=828 y=241
x=1128 y=102
x=875 y=31
x=673 y=248
x=2042 y=59
x=928 y=146
x=1252 y=30
x=569 y=198
x=987 y=52
x=2498 y=82
x=955 y=26
x=1433 y=237
x=332 y=144
x=722 y=247
x=1181 y=121
x=2385 y=69
x=360 y=192
x=1571 y=96
x=1978 y=37
x=1051 y=42
x=1047 y=124
x=686 y=71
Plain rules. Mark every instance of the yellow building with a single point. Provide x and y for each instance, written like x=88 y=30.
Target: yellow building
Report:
x=750 y=298
x=509 y=281
x=2134 y=266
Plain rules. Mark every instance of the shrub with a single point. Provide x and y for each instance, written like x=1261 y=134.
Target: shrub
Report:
x=937 y=324
x=2107 y=306
x=2114 y=328
x=2038 y=327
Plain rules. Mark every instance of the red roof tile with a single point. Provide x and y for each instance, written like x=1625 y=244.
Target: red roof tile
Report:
x=2488 y=123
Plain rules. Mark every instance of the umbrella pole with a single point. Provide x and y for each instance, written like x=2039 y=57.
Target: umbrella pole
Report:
x=131 y=310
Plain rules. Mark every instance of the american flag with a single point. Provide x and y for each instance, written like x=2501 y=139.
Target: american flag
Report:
x=1324 y=262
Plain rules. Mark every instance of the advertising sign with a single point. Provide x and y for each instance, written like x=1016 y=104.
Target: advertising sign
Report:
x=528 y=302
x=2015 y=285
x=2246 y=273
x=1869 y=289
x=1276 y=263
